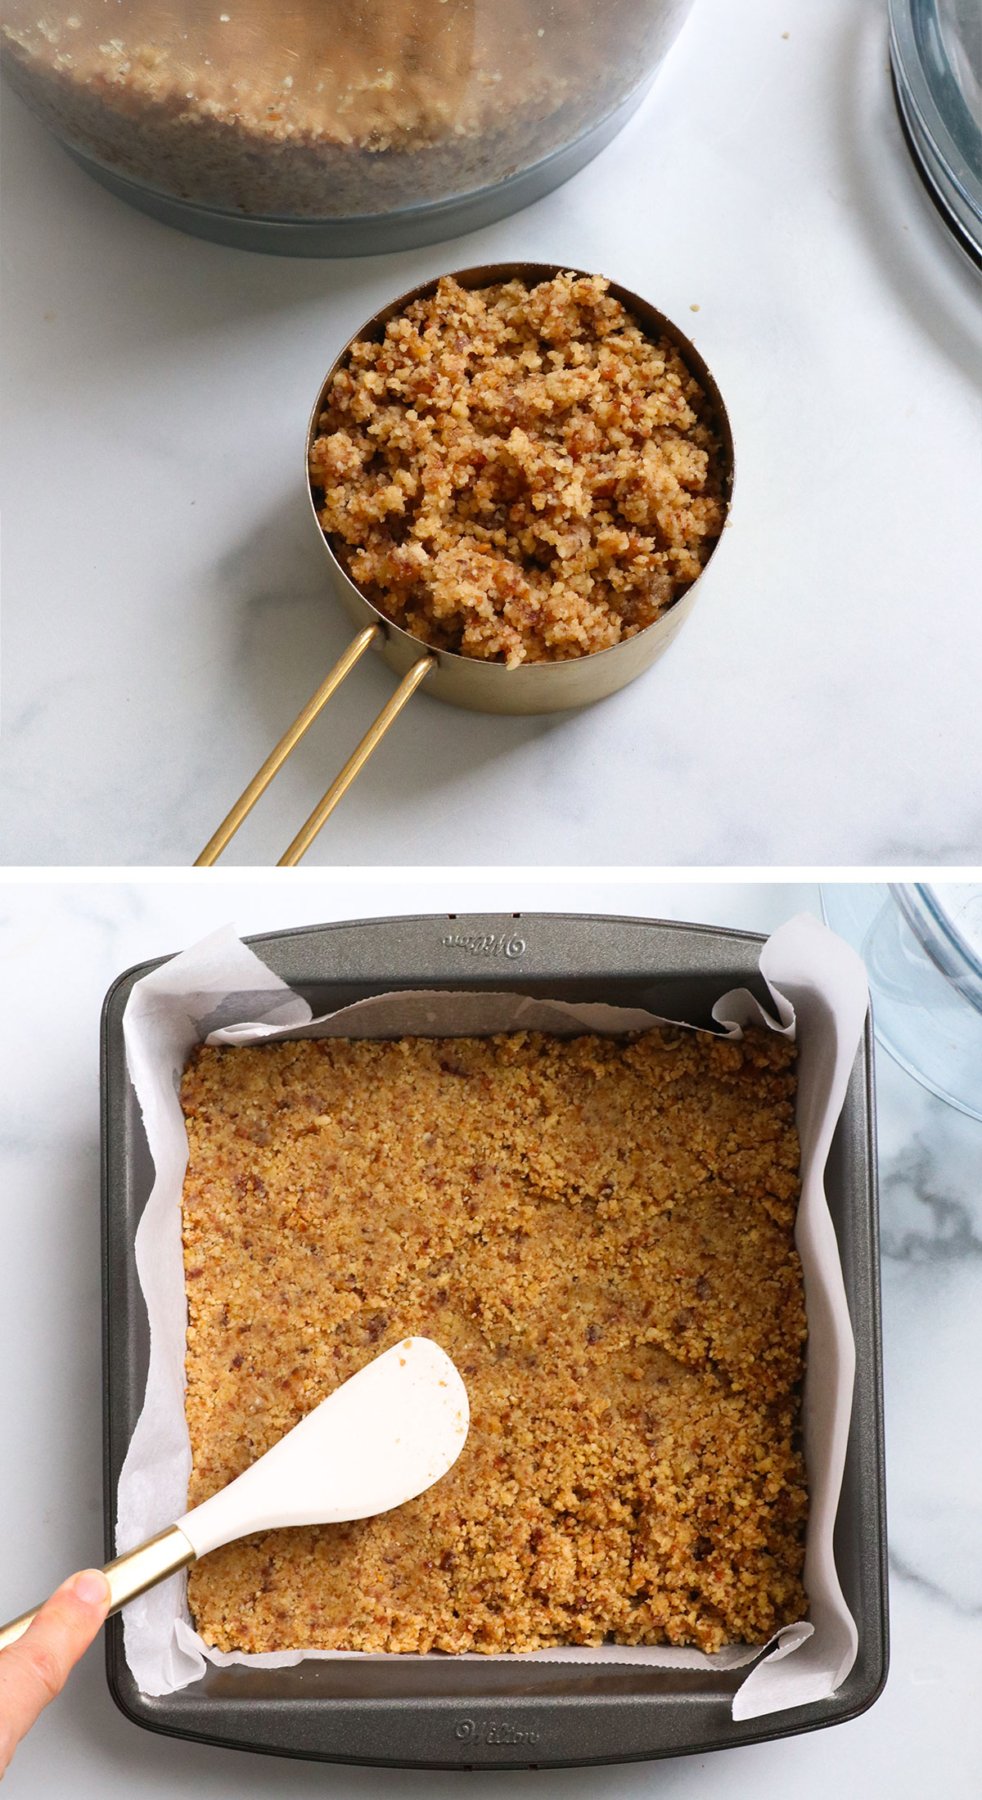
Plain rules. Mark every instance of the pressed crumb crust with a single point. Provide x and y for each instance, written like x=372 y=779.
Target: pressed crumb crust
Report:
x=519 y=474
x=599 y=1233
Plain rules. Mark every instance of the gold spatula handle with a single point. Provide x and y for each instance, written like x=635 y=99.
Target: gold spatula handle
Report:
x=128 y=1575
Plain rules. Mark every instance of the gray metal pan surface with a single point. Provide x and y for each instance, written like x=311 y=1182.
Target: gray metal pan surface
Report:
x=441 y=1712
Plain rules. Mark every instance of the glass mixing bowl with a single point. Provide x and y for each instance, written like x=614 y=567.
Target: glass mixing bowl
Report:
x=327 y=127
x=922 y=946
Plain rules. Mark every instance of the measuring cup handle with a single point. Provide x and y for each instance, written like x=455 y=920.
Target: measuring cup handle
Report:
x=291 y=738
x=139 y=1569
x=356 y=761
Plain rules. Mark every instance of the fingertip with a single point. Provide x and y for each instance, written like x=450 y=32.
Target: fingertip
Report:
x=91 y=1587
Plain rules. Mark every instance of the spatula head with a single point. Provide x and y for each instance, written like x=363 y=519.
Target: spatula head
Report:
x=380 y=1439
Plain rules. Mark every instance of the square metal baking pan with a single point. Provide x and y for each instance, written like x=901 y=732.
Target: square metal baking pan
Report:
x=442 y=1712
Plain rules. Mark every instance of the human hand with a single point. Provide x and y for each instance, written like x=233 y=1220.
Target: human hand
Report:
x=35 y=1669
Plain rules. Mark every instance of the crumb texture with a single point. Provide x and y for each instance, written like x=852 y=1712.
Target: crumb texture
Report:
x=599 y=1233
x=329 y=111
x=519 y=474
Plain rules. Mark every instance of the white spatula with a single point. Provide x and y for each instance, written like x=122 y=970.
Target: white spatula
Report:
x=380 y=1439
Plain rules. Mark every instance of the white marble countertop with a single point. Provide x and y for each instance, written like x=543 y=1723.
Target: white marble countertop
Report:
x=166 y=604
x=60 y=946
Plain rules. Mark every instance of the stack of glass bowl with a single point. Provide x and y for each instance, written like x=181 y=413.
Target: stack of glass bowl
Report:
x=936 y=54
x=922 y=946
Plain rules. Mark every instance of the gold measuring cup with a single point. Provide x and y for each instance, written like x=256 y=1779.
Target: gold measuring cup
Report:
x=467 y=681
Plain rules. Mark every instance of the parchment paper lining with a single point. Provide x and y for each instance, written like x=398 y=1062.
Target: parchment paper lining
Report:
x=220 y=991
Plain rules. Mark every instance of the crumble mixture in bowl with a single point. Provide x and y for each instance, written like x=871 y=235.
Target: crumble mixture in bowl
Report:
x=330 y=110
x=600 y=1233
x=520 y=472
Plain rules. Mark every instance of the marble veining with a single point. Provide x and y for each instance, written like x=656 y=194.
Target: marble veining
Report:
x=922 y=1221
